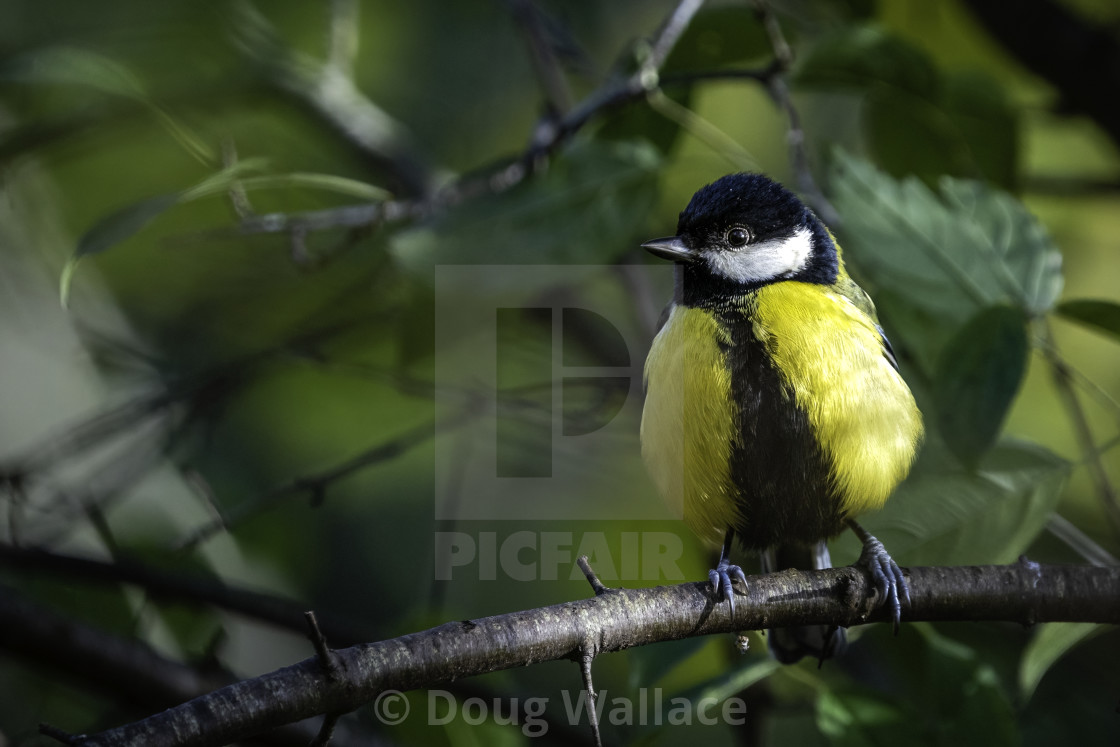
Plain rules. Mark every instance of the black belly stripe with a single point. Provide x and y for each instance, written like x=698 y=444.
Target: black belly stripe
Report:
x=778 y=468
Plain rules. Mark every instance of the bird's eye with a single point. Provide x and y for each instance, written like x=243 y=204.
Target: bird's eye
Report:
x=738 y=236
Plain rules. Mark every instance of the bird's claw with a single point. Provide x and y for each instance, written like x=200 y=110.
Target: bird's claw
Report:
x=890 y=585
x=721 y=578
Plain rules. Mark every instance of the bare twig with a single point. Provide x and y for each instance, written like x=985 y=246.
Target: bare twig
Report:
x=779 y=92
x=529 y=18
x=589 y=573
x=1079 y=542
x=326 y=731
x=319 y=641
x=587 y=656
x=1063 y=381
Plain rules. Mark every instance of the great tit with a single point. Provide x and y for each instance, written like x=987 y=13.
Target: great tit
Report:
x=774 y=411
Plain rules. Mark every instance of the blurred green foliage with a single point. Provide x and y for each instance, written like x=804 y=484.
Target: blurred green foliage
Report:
x=285 y=370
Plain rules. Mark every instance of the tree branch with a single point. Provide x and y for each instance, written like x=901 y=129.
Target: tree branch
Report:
x=618 y=619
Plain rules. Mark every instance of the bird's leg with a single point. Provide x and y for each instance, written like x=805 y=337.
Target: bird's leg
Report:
x=886 y=576
x=721 y=576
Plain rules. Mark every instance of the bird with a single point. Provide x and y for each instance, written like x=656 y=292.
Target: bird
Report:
x=774 y=408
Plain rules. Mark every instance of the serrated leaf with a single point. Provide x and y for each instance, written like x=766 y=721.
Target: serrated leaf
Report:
x=980 y=371
x=1050 y=642
x=1102 y=316
x=951 y=255
x=946 y=515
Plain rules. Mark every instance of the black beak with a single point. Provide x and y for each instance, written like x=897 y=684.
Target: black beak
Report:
x=671 y=247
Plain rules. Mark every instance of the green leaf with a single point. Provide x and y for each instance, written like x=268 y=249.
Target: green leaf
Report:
x=860 y=718
x=222 y=180
x=980 y=372
x=944 y=514
x=1102 y=316
x=326 y=182
x=121 y=224
x=949 y=255
x=1050 y=642
x=131 y=219
x=62 y=65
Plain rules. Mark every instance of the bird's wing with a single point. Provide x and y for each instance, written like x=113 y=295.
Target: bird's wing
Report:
x=850 y=290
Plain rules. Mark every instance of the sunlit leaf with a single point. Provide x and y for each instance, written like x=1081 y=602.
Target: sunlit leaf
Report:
x=222 y=180
x=949 y=255
x=1051 y=641
x=979 y=374
x=1102 y=316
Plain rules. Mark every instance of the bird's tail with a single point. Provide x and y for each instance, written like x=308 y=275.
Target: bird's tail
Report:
x=821 y=642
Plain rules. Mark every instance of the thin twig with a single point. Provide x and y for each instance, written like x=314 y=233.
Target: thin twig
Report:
x=779 y=92
x=326 y=731
x=57 y=734
x=530 y=21
x=343 y=37
x=319 y=641
x=589 y=573
x=587 y=656
x=1063 y=381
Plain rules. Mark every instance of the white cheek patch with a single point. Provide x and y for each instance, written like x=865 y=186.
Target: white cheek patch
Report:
x=768 y=260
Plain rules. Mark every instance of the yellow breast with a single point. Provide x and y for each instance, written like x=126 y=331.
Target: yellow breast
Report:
x=829 y=357
x=688 y=421
x=830 y=353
